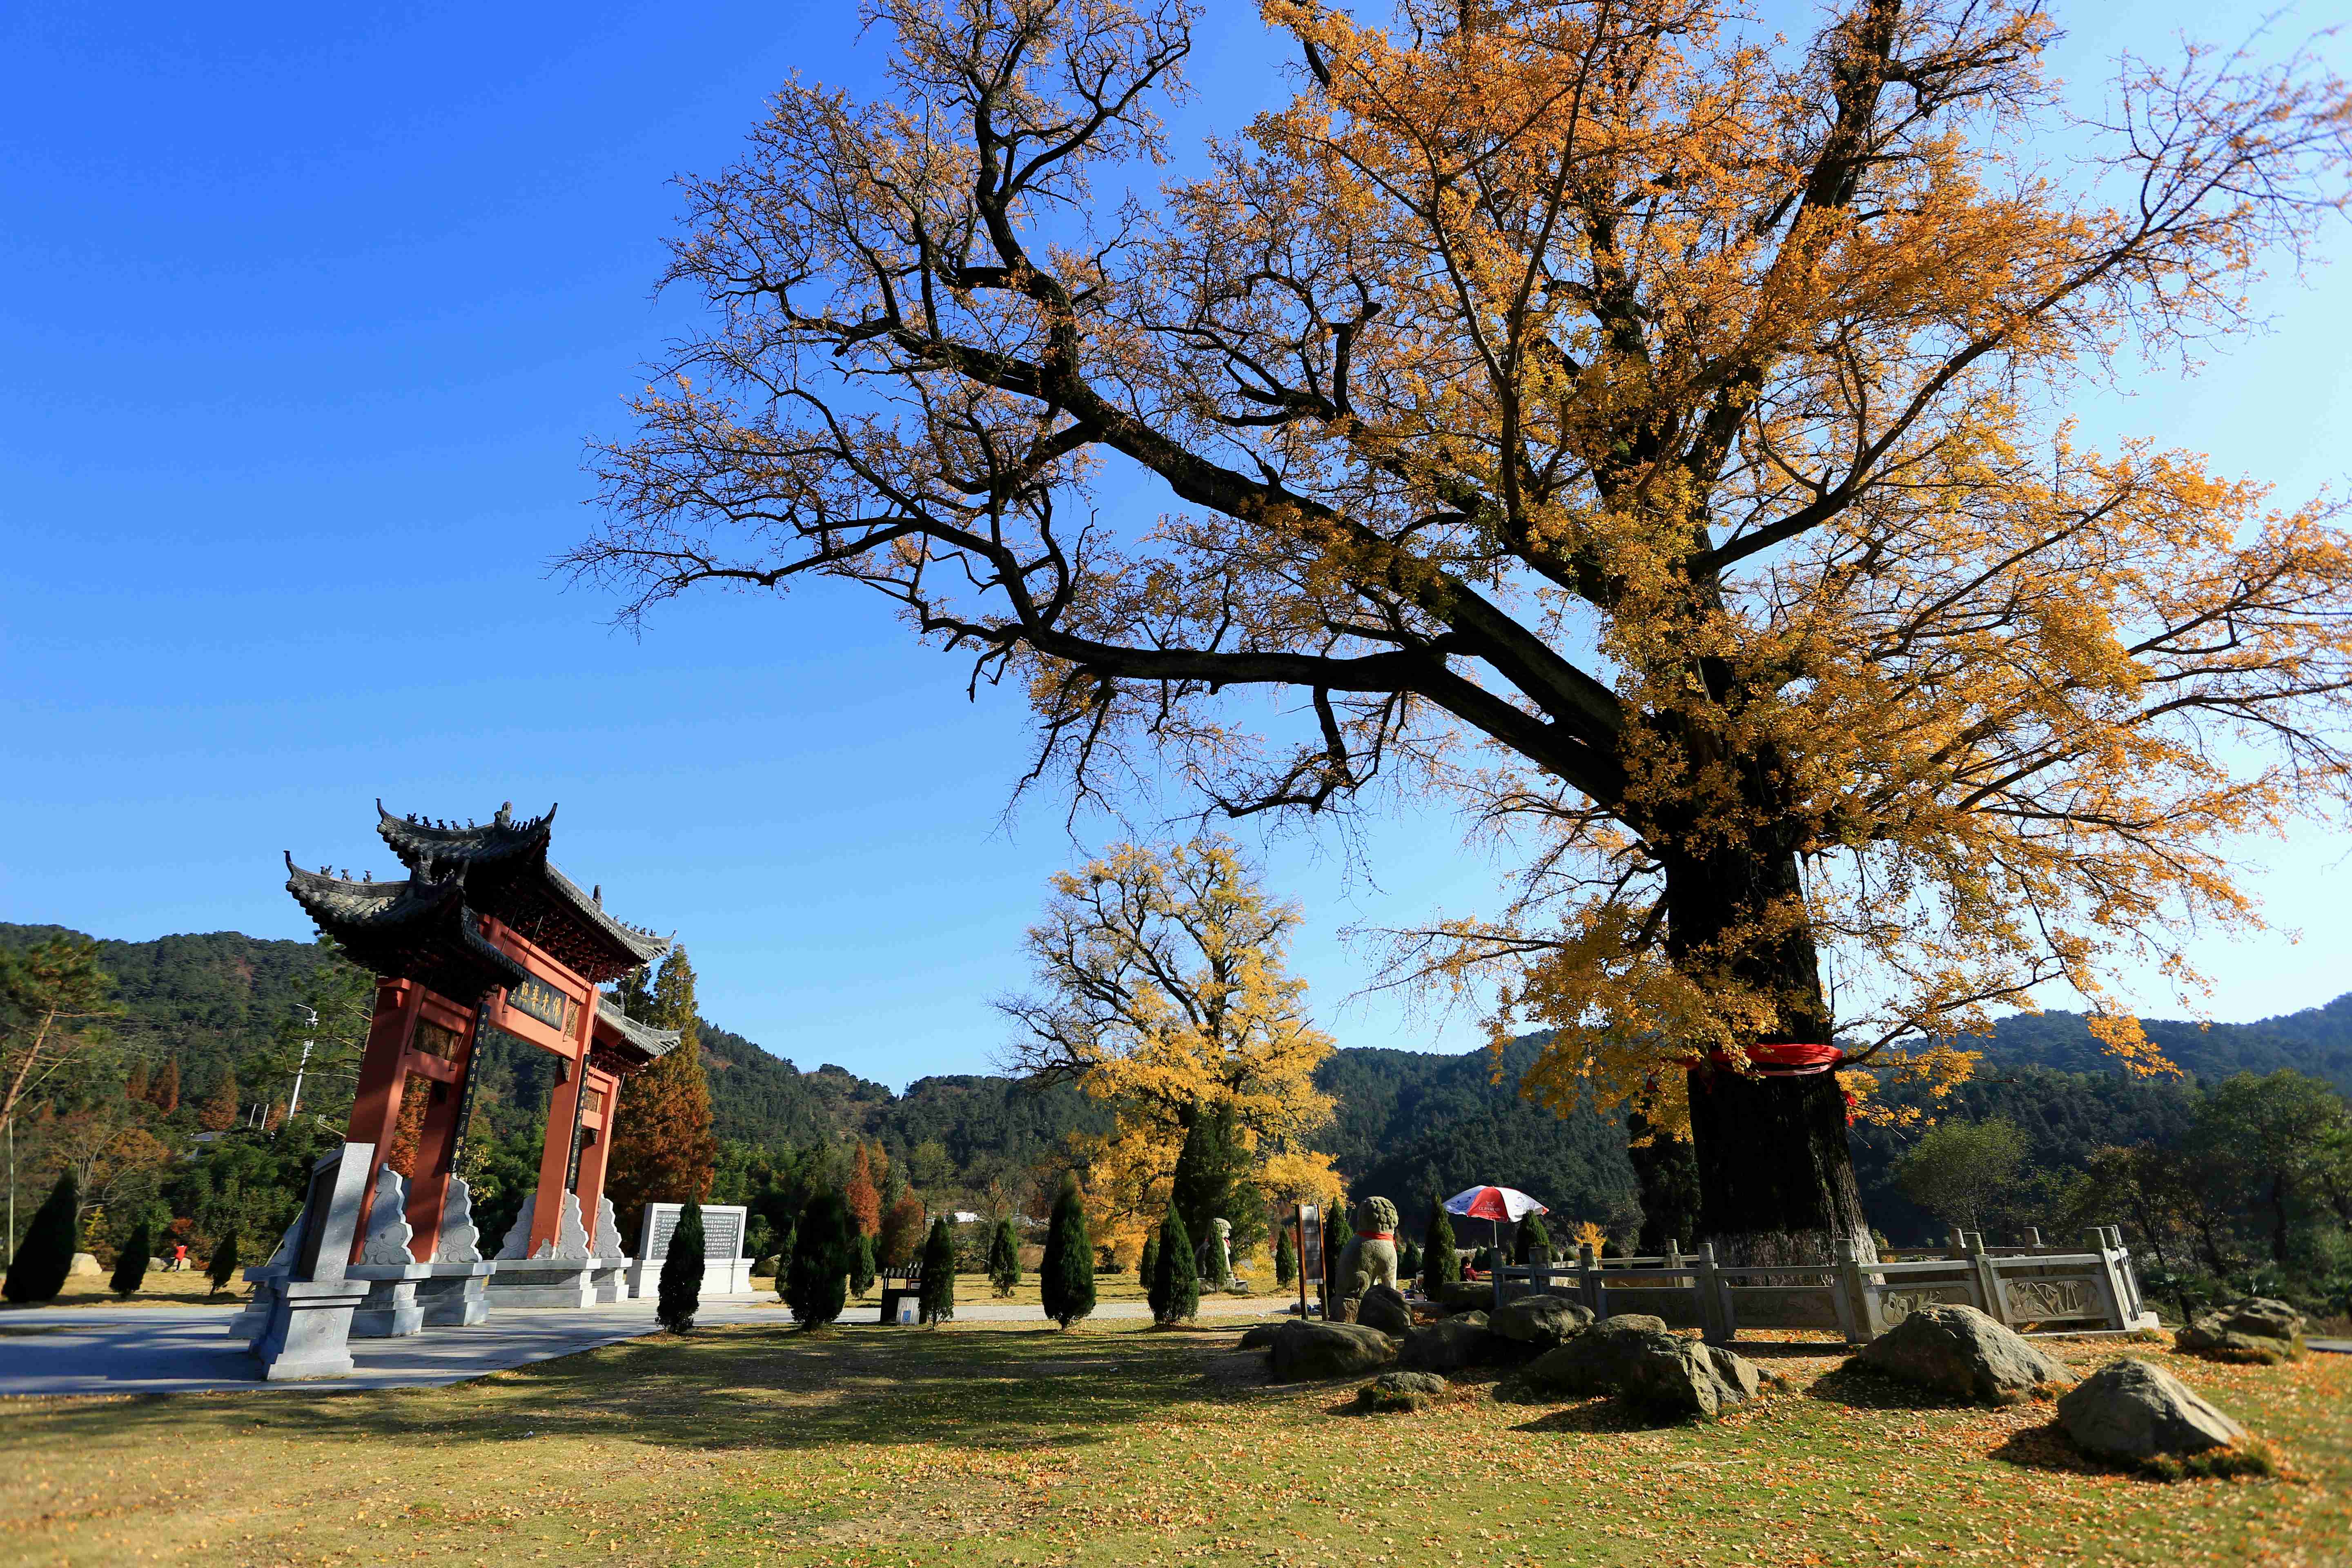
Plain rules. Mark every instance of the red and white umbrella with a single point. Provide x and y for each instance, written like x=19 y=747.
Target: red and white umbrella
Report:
x=1492 y=1203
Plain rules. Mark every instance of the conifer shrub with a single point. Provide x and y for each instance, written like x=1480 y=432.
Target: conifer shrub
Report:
x=816 y=1282
x=937 y=1301
x=784 y=1245
x=1440 y=1266
x=1530 y=1241
x=1336 y=1234
x=1286 y=1256
x=682 y=1272
x=1146 y=1268
x=1067 y=1278
x=861 y=1262
x=1407 y=1260
x=1173 y=1286
x=1005 y=1258
x=223 y=1264
x=131 y=1265
x=37 y=1272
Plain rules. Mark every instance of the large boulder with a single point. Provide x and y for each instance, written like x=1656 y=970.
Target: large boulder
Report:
x=2256 y=1328
x=1447 y=1346
x=1383 y=1308
x=2132 y=1410
x=1693 y=1378
x=1540 y=1322
x=1596 y=1361
x=1402 y=1391
x=1258 y=1336
x=1635 y=1322
x=1306 y=1350
x=1648 y=1366
x=1962 y=1352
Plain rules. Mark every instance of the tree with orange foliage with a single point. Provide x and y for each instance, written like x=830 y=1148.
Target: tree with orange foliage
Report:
x=663 y=1150
x=1603 y=413
x=1162 y=992
x=864 y=1198
x=901 y=1233
x=218 y=1114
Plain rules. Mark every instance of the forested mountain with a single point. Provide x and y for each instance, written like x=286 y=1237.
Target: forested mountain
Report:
x=1408 y=1122
x=1412 y=1124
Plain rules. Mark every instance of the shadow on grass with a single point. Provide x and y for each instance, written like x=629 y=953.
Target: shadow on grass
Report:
x=759 y=1387
x=1859 y=1388
x=1602 y=1415
x=2047 y=1447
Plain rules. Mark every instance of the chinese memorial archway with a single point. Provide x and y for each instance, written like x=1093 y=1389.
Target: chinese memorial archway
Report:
x=483 y=933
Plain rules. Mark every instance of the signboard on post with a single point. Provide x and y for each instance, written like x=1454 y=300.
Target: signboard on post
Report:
x=1310 y=1236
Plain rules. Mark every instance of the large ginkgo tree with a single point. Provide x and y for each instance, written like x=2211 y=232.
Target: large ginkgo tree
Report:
x=1644 y=432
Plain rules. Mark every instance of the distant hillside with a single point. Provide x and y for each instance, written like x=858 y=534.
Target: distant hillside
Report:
x=1408 y=1122
x=2317 y=1040
x=206 y=999
x=1412 y=1124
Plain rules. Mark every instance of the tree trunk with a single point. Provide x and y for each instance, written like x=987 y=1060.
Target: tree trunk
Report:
x=1775 y=1169
x=1668 y=1182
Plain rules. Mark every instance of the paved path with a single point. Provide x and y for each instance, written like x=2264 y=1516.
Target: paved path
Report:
x=187 y=1350
x=2340 y=1347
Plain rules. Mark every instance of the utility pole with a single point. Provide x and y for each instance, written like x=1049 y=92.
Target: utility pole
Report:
x=12 y=1188
x=295 y=1104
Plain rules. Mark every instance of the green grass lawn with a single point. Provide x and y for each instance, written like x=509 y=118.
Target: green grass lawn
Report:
x=1115 y=1445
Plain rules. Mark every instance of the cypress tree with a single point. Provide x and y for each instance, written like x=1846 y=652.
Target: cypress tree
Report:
x=130 y=1265
x=663 y=1150
x=136 y=1086
x=864 y=1199
x=166 y=1092
x=45 y=1255
x=1530 y=1240
x=223 y=1264
x=1005 y=1258
x=1174 y=1286
x=1146 y=1268
x=1439 y=1266
x=816 y=1285
x=861 y=1261
x=682 y=1272
x=1066 y=1279
x=219 y=1112
x=1286 y=1256
x=1407 y=1260
x=902 y=1231
x=1336 y=1234
x=785 y=1245
x=1198 y=1190
x=937 y=1301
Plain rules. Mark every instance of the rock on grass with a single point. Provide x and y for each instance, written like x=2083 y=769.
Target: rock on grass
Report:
x=1402 y=1391
x=2141 y=1414
x=2256 y=1329
x=1960 y=1351
x=1649 y=1367
x=1306 y=1350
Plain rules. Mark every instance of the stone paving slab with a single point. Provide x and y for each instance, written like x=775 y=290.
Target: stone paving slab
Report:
x=63 y=1351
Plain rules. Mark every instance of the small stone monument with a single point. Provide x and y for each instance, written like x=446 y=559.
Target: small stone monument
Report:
x=725 y=1270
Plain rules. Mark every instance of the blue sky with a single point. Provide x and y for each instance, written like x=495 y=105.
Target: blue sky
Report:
x=306 y=311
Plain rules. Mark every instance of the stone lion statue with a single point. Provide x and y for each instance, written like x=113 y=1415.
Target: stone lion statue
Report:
x=1370 y=1257
x=1214 y=1256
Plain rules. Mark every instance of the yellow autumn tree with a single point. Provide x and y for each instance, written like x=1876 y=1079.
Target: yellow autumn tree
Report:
x=1643 y=431
x=1161 y=992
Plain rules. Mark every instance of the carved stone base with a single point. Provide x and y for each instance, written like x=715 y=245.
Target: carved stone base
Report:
x=557 y=1281
x=308 y=1330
